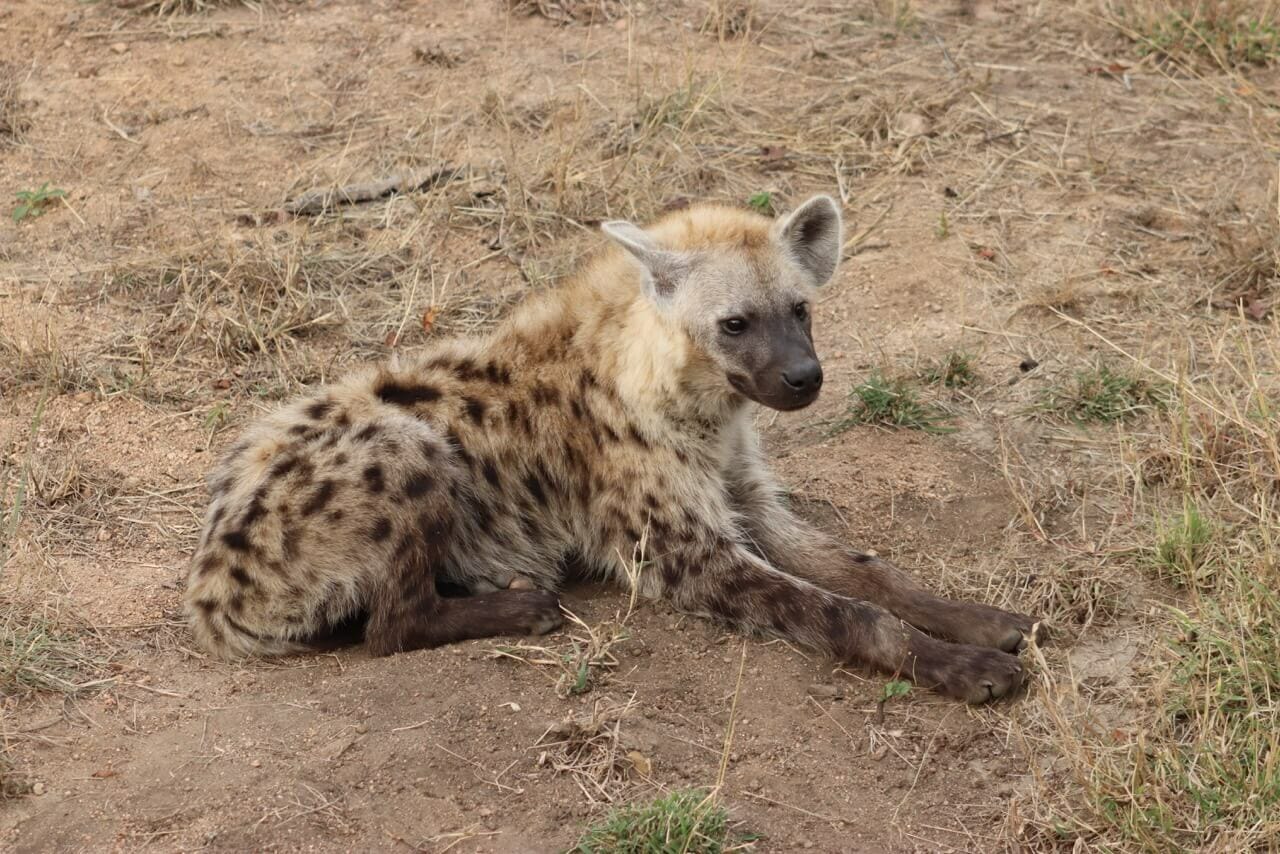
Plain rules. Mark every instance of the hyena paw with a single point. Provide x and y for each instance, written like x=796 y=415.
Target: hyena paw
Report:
x=974 y=674
x=1003 y=630
x=538 y=611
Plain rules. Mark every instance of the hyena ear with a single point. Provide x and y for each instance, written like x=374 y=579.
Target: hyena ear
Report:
x=664 y=269
x=812 y=233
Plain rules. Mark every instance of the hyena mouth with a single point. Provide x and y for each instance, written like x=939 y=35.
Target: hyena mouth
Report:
x=787 y=400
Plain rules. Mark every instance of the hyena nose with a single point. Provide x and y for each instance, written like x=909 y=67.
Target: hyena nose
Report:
x=804 y=377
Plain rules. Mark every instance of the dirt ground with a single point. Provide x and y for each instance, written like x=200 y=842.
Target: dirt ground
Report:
x=1019 y=183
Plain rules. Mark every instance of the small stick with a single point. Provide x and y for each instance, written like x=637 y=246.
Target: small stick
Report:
x=318 y=201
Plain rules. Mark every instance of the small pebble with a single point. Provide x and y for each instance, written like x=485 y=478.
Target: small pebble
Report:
x=120 y=47
x=256 y=763
x=818 y=689
x=37 y=788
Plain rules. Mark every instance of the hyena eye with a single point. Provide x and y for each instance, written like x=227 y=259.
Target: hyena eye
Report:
x=801 y=310
x=733 y=325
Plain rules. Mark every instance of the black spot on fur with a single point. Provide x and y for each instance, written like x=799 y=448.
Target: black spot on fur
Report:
x=208 y=564
x=301 y=429
x=478 y=512
x=490 y=470
x=637 y=437
x=430 y=450
x=335 y=515
x=497 y=374
x=545 y=395
x=609 y=432
x=343 y=420
x=671 y=574
x=289 y=542
x=319 y=409
x=465 y=370
x=218 y=513
x=587 y=380
x=237 y=540
x=576 y=408
x=475 y=409
x=534 y=485
x=516 y=415
x=257 y=508
x=406 y=395
x=380 y=530
x=862 y=557
x=207 y=605
x=373 y=479
x=368 y=431
x=340 y=459
x=241 y=577
x=319 y=498
x=419 y=485
x=282 y=466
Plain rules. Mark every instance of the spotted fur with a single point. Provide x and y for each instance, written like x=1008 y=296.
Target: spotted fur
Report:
x=613 y=411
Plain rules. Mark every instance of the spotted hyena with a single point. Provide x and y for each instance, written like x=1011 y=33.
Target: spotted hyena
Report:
x=613 y=410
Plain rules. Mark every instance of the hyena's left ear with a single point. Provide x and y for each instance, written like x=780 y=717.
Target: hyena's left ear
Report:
x=664 y=269
x=812 y=233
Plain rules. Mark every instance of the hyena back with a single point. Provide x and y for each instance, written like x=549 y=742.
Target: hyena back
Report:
x=611 y=411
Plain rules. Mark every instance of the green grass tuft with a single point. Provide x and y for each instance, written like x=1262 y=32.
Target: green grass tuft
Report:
x=762 y=202
x=1103 y=394
x=890 y=403
x=954 y=370
x=686 y=820
x=33 y=203
x=1181 y=553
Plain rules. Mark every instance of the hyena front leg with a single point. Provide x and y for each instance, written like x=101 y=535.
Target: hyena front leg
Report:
x=800 y=549
x=407 y=612
x=724 y=579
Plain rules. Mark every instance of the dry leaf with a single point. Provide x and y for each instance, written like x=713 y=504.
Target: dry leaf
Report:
x=640 y=762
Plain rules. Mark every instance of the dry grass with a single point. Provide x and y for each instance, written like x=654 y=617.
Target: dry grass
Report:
x=181 y=7
x=1192 y=764
x=1226 y=34
x=569 y=11
x=589 y=747
x=15 y=119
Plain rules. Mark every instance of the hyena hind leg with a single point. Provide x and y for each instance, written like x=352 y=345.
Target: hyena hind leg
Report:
x=409 y=613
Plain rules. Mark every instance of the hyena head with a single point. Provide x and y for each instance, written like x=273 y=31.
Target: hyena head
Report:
x=741 y=287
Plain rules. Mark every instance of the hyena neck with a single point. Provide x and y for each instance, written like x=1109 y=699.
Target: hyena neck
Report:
x=657 y=367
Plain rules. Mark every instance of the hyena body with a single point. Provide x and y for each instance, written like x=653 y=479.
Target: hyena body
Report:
x=608 y=413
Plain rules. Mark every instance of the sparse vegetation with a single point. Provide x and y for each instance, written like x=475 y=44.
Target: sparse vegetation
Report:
x=890 y=403
x=1228 y=33
x=732 y=18
x=954 y=370
x=1180 y=553
x=33 y=203
x=1102 y=393
x=685 y=820
x=14 y=118
x=180 y=7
